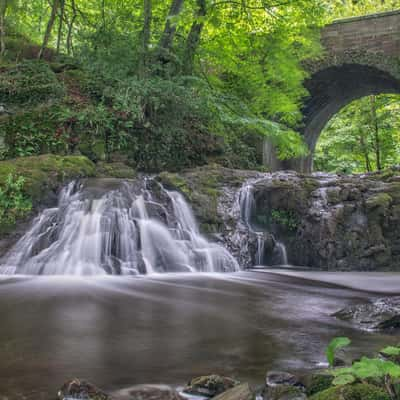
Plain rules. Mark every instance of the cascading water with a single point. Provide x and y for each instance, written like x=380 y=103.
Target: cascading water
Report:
x=247 y=206
x=120 y=230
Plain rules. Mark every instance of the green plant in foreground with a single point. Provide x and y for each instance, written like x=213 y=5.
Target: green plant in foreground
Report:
x=381 y=370
x=14 y=203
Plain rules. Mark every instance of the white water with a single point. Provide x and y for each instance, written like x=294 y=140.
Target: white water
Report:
x=247 y=206
x=122 y=231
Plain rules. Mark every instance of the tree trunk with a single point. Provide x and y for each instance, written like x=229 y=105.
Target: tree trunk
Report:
x=49 y=27
x=168 y=35
x=366 y=155
x=146 y=33
x=193 y=39
x=60 y=26
x=3 y=9
x=71 y=27
x=376 y=133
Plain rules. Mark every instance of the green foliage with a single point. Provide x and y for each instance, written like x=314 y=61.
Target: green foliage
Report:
x=28 y=82
x=349 y=143
x=286 y=218
x=14 y=204
x=391 y=351
x=334 y=346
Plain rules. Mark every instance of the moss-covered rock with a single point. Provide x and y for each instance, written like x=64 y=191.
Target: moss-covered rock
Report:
x=353 y=392
x=115 y=170
x=29 y=82
x=317 y=383
x=379 y=200
x=43 y=175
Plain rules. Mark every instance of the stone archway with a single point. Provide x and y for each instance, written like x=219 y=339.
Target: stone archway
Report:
x=362 y=57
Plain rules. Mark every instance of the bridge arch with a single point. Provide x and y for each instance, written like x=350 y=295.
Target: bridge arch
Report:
x=362 y=57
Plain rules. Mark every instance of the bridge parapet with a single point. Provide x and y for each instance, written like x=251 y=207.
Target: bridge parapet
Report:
x=375 y=33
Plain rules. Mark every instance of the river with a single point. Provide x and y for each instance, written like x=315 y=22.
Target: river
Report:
x=120 y=331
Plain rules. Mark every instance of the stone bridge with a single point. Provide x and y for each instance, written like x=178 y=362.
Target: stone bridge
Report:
x=362 y=57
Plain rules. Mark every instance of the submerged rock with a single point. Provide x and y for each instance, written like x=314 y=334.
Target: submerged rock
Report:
x=81 y=390
x=147 y=392
x=209 y=385
x=383 y=314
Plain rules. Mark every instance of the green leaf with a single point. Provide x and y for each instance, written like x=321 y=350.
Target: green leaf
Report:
x=391 y=351
x=335 y=345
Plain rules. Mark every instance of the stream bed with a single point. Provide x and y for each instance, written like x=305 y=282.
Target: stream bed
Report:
x=121 y=331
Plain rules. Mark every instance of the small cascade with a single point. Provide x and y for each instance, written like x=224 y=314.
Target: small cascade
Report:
x=282 y=253
x=247 y=206
x=120 y=229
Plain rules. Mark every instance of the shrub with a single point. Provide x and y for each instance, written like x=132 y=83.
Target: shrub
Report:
x=14 y=204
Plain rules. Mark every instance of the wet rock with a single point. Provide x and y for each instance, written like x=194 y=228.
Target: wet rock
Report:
x=277 y=378
x=239 y=392
x=147 y=392
x=283 y=386
x=81 y=390
x=383 y=314
x=210 y=385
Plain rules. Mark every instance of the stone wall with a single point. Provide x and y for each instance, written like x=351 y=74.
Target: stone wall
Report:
x=378 y=33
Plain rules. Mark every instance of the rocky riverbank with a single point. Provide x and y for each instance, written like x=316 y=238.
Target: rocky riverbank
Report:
x=326 y=221
x=278 y=385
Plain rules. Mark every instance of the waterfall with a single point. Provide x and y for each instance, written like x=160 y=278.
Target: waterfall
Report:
x=247 y=208
x=122 y=230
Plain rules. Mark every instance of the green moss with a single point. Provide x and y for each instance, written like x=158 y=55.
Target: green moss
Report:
x=40 y=175
x=34 y=131
x=318 y=383
x=379 y=200
x=115 y=170
x=46 y=172
x=175 y=181
x=29 y=82
x=353 y=392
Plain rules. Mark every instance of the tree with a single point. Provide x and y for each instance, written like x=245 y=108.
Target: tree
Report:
x=193 y=39
x=3 y=10
x=49 y=28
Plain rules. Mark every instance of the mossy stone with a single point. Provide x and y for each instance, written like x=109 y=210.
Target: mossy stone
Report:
x=353 y=392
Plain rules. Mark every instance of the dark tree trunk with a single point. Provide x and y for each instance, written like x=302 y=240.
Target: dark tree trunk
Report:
x=3 y=9
x=146 y=34
x=168 y=35
x=376 y=133
x=366 y=154
x=60 y=25
x=71 y=27
x=49 y=27
x=193 y=39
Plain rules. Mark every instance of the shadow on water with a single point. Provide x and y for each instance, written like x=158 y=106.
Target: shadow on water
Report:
x=168 y=328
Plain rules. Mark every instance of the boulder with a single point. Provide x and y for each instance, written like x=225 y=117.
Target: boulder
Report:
x=382 y=314
x=81 y=390
x=279 y=378
x=209 y=385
